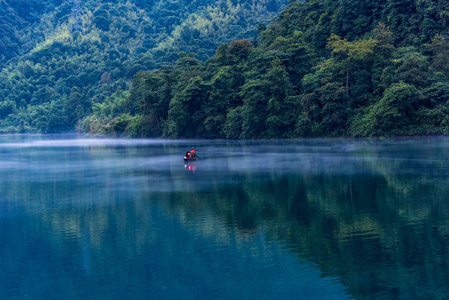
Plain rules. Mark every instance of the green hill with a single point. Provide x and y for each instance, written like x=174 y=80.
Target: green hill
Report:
x=322 y=68
x=51 y=74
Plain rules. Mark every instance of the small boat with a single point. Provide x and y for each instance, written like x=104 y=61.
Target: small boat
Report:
x=188 y=158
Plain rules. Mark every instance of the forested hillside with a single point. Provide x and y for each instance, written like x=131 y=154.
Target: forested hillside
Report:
x=15 y=17
x=58 y=59
x=321 y=68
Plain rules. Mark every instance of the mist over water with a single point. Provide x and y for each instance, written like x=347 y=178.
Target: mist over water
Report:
x=327 y=219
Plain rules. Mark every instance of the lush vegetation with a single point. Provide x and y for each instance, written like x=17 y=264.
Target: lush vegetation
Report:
x=56 y=69
x=322 y=68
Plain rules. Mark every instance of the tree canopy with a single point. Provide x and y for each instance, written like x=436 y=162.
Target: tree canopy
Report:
x=218 y=69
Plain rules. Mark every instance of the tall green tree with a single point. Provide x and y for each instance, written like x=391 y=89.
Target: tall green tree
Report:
x=350 y=53
x=281 y=109
x=76 y=106
x=185 y=116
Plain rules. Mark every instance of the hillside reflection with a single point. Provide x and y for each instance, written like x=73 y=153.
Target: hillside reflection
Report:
x=369 y=215
x=372 y=213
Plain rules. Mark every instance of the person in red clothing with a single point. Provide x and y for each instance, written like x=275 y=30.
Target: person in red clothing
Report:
x=193 y=153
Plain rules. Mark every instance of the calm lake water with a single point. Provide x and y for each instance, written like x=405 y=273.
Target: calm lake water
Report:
x=307 y=219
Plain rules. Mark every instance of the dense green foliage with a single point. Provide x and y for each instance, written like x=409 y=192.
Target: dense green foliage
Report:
x=322 y=68
x=52 y=76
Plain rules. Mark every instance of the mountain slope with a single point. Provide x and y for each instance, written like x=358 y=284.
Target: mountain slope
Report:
x=322 y=68
x=52 y=75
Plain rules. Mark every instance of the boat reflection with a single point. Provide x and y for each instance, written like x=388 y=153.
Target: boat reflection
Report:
x=190 y=167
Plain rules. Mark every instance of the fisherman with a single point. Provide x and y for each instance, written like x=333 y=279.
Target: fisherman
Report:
x=193 y=153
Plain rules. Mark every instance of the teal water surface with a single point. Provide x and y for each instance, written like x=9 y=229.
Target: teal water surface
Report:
x=306 y=219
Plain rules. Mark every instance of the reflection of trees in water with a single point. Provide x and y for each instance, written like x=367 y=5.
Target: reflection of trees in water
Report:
x=384 y=233
x=81 y=243
x=60 y=222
